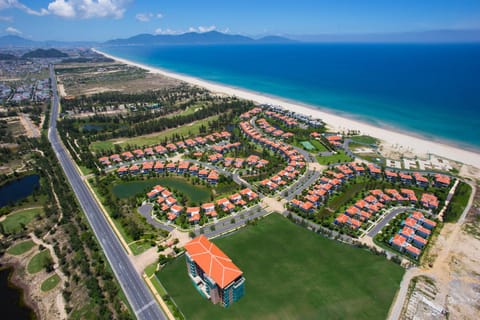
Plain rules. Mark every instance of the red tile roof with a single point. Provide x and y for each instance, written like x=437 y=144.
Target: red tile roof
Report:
x=216 y=264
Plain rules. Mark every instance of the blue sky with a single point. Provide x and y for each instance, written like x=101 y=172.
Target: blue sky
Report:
x=106 y=19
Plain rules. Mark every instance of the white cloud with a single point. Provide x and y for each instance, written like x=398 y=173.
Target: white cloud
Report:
x=202 y=29
x=62 y=9
x=85 y=9
x=13 y=30
x=199 y=29
x=5 y=4
x=6 y=18
x=81 y=9
x=167 y=31
x=145 y=17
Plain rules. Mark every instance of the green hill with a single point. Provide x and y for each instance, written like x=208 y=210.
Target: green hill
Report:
x=45 y=53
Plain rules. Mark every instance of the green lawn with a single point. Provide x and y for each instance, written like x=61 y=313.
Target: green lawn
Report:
x=348 y=195
x=14 y=221
x=139 y=246
x=194 y=193
x=364 y=139
x=458 y=203
x=318 y=145
x=39 y=261
x=21 y=248
x=102 y=145
x=50 y=283
x=292 y=273
x=339 y=157
x=85 y=171
x=152 y=139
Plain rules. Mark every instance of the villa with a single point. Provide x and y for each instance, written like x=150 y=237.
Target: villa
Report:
x=214 y=274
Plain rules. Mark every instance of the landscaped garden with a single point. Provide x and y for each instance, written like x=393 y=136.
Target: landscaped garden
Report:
x=21 y=247
x=193 y=193
x=338 y=157
x=40 y=261
x=292 y=273
x=18 y=220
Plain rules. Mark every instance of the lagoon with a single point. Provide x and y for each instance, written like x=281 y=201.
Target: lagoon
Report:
x=18 y=189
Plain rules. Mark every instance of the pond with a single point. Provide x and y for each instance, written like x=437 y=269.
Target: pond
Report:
x=16 y=190
x=13 y=306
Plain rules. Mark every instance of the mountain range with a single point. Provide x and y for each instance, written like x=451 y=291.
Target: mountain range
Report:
x=215 y=37
x=212 y=37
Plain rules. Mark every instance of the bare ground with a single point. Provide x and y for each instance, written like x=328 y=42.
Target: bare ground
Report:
x=455 y=271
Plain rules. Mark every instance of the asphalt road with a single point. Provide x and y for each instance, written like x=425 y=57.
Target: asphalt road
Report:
x=392 y=214
x=225 y=225
x=139 y=296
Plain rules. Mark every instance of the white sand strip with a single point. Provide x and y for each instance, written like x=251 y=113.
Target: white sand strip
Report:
x=418 y=145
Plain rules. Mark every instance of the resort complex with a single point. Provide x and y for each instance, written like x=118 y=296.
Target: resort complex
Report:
x=181 y=185
x=213 y=273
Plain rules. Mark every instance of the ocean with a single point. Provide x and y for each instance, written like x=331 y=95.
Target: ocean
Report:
x=431 y=90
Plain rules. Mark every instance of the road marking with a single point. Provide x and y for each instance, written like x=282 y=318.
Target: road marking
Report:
x=145 y=307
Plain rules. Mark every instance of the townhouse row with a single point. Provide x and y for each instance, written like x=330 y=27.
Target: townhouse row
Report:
x=295 y=160
x=363 y=210
x=286 y=120
x=164 y=149
x=271 y=130
x=227 y=162
x=414 y=234
x=168 y=204
x=328 y=183
x=211 y=176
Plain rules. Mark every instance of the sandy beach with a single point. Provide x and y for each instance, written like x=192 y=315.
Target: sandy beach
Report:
x=417 y=145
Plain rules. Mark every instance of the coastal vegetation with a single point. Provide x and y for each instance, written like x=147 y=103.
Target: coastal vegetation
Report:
x=458 y=203
x=360 y=287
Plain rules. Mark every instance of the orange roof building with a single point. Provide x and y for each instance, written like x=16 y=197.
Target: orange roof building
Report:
x=213 y=272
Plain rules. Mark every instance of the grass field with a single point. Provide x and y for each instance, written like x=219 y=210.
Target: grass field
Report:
x=21 y=248
x=194 y=193
x=292 y=273
x=320 y=147
x=364 y=139
x=14 y=221
x=458 y=203
x=39 y=261
x=341 y=156
x=50 y=283
x=152 y=139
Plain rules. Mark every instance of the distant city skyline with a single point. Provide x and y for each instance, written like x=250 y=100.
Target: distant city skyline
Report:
x=100 y=20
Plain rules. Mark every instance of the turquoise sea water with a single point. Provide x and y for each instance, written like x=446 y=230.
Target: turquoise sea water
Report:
x=431 y=90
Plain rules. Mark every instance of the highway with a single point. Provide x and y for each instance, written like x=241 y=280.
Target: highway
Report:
x=139 y=296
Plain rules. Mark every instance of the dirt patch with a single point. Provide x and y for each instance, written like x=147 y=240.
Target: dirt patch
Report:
x=44 y=304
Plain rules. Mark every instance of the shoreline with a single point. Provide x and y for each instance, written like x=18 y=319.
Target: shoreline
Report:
x=392 y=136
x=15 y=282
